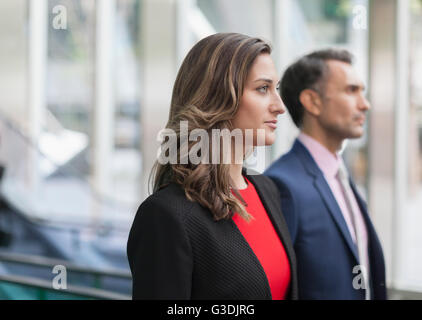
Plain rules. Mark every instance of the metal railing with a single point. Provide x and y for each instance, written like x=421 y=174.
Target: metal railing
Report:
x=40 y=261
x=43 y=289
x=51 y=262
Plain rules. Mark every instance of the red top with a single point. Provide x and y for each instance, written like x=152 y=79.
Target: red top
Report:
x=265 y=243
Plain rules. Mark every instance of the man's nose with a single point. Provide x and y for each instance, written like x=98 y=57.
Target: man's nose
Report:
x=364 y=104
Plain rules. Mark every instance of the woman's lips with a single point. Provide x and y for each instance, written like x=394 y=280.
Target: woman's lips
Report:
x=272 y=124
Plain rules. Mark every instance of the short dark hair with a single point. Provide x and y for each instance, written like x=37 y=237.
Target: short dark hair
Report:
x=309 y=72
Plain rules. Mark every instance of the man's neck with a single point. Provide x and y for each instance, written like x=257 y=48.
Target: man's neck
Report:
x=331 y=143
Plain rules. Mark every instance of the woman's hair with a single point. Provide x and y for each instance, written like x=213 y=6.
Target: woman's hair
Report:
x=206 y=94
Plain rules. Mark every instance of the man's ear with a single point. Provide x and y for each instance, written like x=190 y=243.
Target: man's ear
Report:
x=311 y=101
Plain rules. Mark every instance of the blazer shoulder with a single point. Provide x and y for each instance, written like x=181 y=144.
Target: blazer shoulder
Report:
x=165 y=207
x=288 y=169
x=170 y=200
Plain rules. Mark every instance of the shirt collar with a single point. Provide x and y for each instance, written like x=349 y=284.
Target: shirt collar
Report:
x=326 y=161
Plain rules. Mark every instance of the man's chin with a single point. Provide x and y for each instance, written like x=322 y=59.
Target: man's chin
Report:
x=356 y=134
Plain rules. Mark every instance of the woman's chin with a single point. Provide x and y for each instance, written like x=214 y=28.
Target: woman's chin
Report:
x=270 y=139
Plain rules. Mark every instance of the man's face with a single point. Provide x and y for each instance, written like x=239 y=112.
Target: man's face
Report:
x=344 y=105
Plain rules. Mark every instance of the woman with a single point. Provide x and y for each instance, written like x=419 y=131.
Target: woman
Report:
x=210 y=230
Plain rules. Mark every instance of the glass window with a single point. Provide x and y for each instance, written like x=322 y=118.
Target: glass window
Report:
x=126 y=156
x=411 y=218
x=251 y=17
x=313 y=25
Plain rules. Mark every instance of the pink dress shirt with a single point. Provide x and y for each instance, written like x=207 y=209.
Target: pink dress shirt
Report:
x=329 y=165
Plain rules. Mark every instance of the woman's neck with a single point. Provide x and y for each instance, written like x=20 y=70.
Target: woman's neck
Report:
x=236 y=166
x=237 y=177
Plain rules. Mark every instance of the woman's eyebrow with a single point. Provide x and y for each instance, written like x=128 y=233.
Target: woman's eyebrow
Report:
x=266 y=80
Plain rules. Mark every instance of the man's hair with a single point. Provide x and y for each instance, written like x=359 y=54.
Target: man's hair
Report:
x=309 y=72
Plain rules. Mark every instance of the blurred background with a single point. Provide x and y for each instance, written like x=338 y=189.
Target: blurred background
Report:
x=85 y=87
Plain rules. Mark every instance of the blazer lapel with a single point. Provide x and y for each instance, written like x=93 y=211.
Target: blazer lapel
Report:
x=275 y=215
x=327 y=196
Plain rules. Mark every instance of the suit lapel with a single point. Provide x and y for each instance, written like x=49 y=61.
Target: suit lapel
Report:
x=376 y=256
x=326 y=194
x=364 y=210
x=360 y=201
x=331 y=203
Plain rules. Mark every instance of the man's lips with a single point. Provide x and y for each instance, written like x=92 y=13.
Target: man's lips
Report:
x=360 y=119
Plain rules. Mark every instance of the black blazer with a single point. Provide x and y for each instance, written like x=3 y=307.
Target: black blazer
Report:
x=177 y=251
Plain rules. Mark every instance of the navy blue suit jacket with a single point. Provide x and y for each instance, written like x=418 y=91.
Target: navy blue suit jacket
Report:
x=326 y=253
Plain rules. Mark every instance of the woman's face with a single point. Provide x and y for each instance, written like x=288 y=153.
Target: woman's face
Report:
x=260 y=103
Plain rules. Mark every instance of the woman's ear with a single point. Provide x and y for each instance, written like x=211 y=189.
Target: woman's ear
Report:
x=311 y=101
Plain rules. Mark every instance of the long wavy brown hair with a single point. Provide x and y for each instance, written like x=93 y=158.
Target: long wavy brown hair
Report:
x=206 y=94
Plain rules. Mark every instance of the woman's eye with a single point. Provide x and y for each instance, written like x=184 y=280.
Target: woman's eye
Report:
x=263 y=89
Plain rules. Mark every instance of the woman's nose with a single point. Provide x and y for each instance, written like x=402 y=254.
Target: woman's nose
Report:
x=277 y=106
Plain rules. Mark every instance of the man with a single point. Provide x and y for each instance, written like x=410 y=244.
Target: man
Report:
x=338 y=252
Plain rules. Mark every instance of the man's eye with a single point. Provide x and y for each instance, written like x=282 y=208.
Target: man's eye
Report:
x=354 y=89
